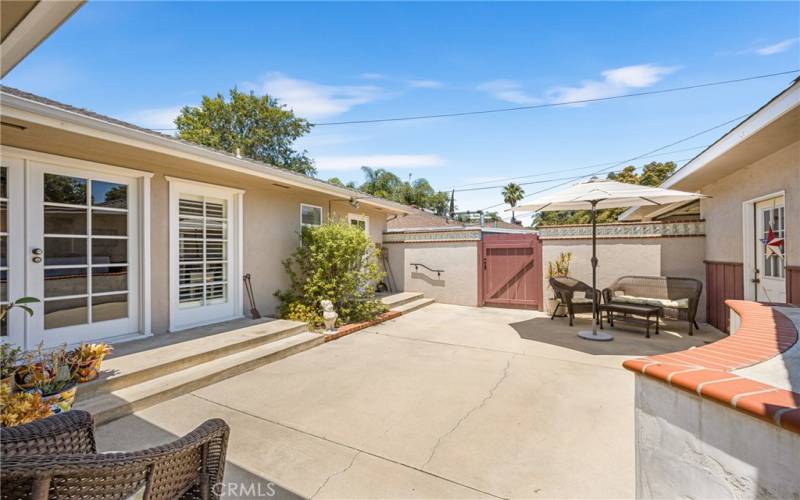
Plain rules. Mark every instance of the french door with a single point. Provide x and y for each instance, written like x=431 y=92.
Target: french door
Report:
x=77 y=252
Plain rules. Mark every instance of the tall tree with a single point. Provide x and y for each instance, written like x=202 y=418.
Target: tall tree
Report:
x=384 y=184
x=653 y=174
x=257 y=127
x=512 y=194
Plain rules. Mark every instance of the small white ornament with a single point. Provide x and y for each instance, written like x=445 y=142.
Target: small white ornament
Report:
x=328 y=315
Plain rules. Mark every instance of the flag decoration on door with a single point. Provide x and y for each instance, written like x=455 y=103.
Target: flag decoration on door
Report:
x=772 y=244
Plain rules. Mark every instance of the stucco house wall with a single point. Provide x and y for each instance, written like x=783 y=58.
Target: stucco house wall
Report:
x=458 y=284
x=271 y=233
x=780 y=171
x=666 y=256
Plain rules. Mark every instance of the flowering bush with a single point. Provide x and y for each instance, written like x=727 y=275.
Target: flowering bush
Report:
x=337 y=262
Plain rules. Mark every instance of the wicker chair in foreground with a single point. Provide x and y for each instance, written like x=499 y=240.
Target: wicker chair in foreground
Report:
x=567 y=290
x=56 y=458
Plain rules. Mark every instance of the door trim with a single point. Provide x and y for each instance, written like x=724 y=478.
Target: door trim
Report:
x=19 y=159
x=237 y=252
x=748 y=231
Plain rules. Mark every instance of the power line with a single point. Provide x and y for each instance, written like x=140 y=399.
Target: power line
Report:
x=544 y=181
x=541 y=174
x=539 y=106
x=738 y=118
x=554 y=104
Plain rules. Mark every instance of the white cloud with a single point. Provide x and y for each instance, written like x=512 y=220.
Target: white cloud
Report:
x=615 y=81
x=508 y=90
x=372 y=76
x=377 y=161
x=425 y=84
x=313 y=100
x=155 y=118
x=776 y=48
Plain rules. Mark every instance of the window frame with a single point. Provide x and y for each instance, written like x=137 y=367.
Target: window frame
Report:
x=309 y=205
x=359 y=217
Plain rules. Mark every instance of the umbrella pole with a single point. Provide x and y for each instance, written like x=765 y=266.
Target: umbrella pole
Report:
x=594 y=334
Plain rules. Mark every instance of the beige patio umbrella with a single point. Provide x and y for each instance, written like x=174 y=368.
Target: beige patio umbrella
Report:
x=598 y=194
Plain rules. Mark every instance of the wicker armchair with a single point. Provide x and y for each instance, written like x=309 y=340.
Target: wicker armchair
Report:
x=678 y=298
x=565 y=287
x=56 y=458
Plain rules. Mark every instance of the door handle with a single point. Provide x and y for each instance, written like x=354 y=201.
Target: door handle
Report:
x=37 y=253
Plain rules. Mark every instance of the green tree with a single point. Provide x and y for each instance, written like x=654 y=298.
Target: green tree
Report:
x=512 y=194
x=338 y=182
x=653 y=174
x=257 y=127
x=384 y=184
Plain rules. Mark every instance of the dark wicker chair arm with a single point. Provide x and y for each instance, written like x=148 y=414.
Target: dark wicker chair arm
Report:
x=185 y=468
x=71 y=432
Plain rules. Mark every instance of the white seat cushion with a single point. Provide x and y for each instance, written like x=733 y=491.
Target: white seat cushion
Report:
x=581 y=300
x=630 y=299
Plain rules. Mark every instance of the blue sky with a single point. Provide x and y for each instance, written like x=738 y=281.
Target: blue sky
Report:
x=343 y=61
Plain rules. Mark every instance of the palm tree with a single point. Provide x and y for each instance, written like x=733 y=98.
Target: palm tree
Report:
x=512 y=194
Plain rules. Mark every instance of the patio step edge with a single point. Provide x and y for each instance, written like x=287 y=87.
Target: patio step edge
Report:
x=106 y=407
x=413 y=305
x=188 y=354
x=401 y=298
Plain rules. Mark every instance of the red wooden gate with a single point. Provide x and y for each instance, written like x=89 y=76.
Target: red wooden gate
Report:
x=511 y=274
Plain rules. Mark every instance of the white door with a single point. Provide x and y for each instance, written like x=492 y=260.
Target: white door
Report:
x=770 y=250
x=81 y=254
x=12 y=277
x=204 y=261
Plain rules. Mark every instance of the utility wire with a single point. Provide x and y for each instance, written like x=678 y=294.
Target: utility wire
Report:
x=539 y=106
x=572 y=179
x=529 y=183
x=554 y=104
x=542 y=174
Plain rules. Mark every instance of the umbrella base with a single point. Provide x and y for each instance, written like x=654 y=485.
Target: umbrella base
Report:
x=599 y=336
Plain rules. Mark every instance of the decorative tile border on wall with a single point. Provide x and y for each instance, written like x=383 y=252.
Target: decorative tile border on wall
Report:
x=431 y=236
x=706 y=371
x=624 y=230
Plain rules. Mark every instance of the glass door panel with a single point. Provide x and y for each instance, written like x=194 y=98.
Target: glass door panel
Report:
x=81 y=243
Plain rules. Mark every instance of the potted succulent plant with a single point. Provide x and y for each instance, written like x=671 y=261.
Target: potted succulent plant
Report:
x=49 y=374
x=85 y=360
x=21 y=407
x=558 y=267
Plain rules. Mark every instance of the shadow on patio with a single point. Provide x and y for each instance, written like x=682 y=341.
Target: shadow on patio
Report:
x=629 y=339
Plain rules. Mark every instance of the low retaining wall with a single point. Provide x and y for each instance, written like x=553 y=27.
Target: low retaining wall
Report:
x=704 y=430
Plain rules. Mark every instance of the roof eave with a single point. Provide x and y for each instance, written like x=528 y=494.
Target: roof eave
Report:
x=54 y=116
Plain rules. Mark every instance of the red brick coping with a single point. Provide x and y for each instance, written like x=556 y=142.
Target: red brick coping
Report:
x=763 y=333
x=354 y=327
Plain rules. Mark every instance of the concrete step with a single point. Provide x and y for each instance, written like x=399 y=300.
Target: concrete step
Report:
x=399 y=299
x=118 y=403
x=413 y=305
x=146 y=359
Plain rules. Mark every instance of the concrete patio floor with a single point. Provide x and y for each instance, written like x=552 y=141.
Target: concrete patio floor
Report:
x=446 y=402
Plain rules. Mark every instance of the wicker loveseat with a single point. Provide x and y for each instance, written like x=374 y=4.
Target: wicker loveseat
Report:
x=677 y=297
x=575 y=295
x=56 y=458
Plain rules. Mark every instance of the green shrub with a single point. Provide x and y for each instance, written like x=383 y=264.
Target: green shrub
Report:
x=335 y=261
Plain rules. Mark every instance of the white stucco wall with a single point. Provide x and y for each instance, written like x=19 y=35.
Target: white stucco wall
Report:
x=688 y=447
x=679 y=257
x=723 y=211
x=458 y=283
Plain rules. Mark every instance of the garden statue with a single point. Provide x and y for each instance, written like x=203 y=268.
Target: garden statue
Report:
x=328 y=315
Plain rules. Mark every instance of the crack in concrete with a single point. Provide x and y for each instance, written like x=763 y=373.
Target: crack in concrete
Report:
x=469 y=413
x=325 y=483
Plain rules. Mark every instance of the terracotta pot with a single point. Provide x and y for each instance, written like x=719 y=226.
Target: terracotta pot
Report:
x=61 y=401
